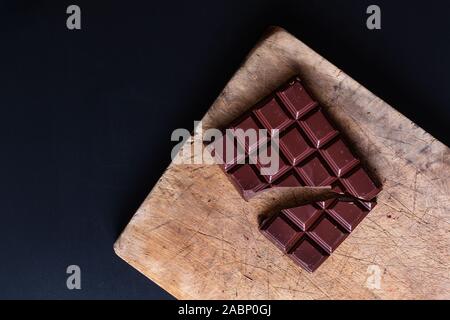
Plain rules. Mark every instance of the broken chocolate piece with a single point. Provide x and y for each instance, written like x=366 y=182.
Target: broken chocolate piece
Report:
x=312 y=152
x=310 y=233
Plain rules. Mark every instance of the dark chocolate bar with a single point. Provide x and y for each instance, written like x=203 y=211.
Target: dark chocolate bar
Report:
x=308 y=234
x=312 y=152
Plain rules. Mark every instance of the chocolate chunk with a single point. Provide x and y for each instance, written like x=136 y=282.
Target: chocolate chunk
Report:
x=310 y=233
x=312 y=152
x=308 y=254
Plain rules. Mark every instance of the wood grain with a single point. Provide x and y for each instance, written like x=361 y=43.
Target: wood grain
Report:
x=198 y=239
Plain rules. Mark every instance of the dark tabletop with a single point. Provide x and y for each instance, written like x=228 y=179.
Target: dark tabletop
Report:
x=86 y=115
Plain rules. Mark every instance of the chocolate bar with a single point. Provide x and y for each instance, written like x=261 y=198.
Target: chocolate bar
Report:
x=308 y=234
x=312 y=152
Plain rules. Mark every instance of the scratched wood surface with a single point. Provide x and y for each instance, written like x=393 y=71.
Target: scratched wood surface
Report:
x=197 y=238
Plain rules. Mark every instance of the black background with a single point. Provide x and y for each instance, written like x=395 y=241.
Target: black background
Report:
x=86 y=116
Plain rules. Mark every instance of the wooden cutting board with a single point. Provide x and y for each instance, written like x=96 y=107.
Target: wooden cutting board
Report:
x=198 y=239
